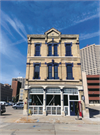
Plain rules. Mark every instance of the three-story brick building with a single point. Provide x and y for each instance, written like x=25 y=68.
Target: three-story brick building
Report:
x=53 y=74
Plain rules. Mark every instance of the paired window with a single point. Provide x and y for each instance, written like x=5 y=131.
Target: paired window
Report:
x=37 y=49
x=68 y=49
x=50 y=50
x=69 y=71
x=50 y=72
x=36 y=71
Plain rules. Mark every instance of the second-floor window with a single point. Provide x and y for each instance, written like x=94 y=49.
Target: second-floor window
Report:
x=69 y=71
x=68 y=49
x=37 y=50
x=55 y=71
x=49 y=71
x=36 y=71
x=55 y=67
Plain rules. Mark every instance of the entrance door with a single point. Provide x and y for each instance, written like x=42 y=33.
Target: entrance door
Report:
x=72 y=108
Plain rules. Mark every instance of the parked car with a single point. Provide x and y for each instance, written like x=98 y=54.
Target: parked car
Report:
x=2 y=102
x=18 y=105
x=3 y=109
x=11 y=103
x=6 y=104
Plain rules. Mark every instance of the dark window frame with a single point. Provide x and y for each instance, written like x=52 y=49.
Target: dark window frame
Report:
x=55 y=49
x=56 y=72
x=37 y=49
x=69 y=71
x=49 y=71
x=36 y=72
x=68 y=49
x=49 y=51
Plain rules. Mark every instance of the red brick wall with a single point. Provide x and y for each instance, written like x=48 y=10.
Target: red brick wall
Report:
x=14 y=87
x=93 y=82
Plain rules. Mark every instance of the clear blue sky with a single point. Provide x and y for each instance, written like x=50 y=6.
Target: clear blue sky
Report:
x=19 y=18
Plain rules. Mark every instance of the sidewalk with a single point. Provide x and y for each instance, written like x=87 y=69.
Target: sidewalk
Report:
x=16 y=116
x=57 y=119
x=49 y=119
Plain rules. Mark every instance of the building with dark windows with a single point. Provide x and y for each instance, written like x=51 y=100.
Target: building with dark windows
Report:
x=21 y=80
x=5 y=92
x=91 y=84
x=53 y=75
x=90 y=59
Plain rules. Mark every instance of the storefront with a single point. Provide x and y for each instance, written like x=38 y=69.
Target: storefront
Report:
x=53 y=101
x=36 y=100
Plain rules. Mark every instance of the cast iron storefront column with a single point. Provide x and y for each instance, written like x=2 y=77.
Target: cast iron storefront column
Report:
x=44 y=102
x=62 y=103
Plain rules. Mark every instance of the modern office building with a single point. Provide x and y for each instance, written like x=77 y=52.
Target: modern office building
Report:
x=90 y=59
x=53 y=74
x=17 y=83
x=5 y=92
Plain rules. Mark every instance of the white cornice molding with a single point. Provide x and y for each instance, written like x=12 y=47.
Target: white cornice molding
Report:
x=55 y=86
x=54 y=57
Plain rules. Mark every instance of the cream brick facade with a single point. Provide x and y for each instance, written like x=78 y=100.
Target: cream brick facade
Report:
x=56 y=37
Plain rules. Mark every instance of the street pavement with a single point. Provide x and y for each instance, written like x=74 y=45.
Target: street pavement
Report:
x=14 y=123
x=49 y=129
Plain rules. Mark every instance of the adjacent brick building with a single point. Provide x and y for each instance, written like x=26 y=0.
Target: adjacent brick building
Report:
x=93 y=83
x=90 y=65
x=53 y=74
x=21 y=80
x=17 y=83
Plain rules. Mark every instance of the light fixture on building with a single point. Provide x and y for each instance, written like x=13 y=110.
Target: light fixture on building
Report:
x=83 y=97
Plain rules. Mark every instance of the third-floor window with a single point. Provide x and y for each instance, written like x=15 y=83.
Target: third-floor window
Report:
x=50 y=50
x=55 y=50
x=37 y=50
x=68 y=49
